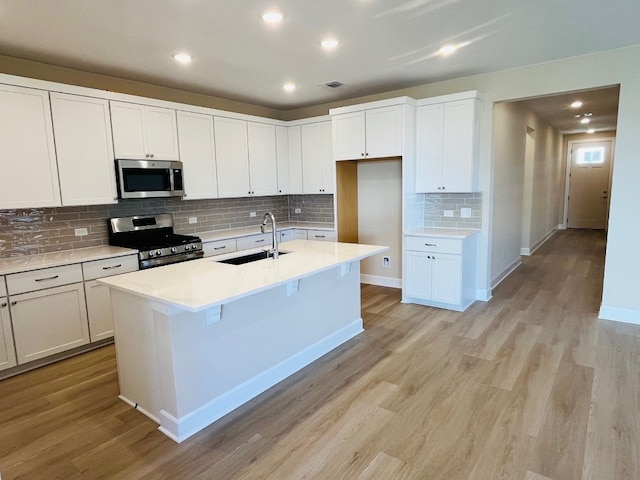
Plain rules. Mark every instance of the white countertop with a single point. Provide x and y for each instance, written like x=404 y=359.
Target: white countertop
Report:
x=55 y=259
x=204 y=283
x=212 y=236
x=442 y=232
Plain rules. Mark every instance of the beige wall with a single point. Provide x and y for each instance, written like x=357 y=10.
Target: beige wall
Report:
x=380 y=214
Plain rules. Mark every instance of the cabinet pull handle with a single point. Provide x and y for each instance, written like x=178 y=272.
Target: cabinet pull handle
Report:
x=430 y=244
x=261 y=240
x=220 y=248
x=112 y=267
x=14 y=303
x=320 y=236
x=48 y=278
x=3 y=304
x=96 y=285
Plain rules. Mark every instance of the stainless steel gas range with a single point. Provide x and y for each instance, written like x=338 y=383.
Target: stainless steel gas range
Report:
x=154 y=238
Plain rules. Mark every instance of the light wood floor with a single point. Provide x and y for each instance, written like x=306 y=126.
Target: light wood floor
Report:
x=527 y=386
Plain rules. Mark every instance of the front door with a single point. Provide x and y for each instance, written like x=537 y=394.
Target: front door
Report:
x=589 y=185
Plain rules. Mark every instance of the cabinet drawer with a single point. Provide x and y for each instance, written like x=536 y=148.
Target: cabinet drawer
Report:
x=321 y=235
x=218 y=248
x=434 y=244
x=45 y=278
x=3 y=289
x=254 y=241
x=109 y=266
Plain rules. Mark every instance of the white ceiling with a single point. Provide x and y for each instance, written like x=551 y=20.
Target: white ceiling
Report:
x=386 y=44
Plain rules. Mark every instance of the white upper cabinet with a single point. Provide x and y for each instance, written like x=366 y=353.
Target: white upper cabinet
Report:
x=28 y=170
x=295 y=160
x=232 y=157
x=371 y=133
x=263 y=170
x=144 y=132
x=446 y=145
x=197 y=153
x=82 y=130
x=282 y=156
x=318 y=168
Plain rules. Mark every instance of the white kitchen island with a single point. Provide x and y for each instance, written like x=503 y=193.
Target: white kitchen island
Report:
x=195 y=340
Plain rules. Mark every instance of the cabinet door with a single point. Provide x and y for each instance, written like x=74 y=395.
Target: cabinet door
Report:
x=384 y=132
x=458 y=142
x=299 y=234
x=312 y=158
x=49 y=321
x=446 y=278
x=232 y=157
x=161 y=133
x=295 y=160
x=85 y=149
x=263 y=170
x=286 y=235
x=127 y=122
x=99 y=310
x=282 y=156
x=418 y=275
x=28 y=170
x=197 y=153
x=349 y=136
x=7 y=351
x=321 y=235
x=328 y=163
x=429 y=141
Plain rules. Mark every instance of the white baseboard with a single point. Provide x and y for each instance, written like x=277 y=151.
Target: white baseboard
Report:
x=561 y=226
x=618 y=314
x=505 y=273
x=380 y=280
x=179 y=429
x=484 y=295
x=530 y=251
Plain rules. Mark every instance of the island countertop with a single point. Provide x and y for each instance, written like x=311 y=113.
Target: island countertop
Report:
x=200 y=284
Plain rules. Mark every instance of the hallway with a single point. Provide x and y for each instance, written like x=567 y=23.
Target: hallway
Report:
x=530 y=385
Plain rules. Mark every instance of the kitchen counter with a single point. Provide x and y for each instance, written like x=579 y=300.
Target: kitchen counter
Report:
x=212 y=236
x=55 y=259
x=442 y=232
x=196 y=340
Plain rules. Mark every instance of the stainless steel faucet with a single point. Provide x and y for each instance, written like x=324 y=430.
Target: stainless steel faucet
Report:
x=274 y=246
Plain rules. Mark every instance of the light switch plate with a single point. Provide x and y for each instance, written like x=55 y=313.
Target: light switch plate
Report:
x=297 y=210
x=81 y=232
x=252 y=214
x=193 y=219
x=448 y=213
x=465 y=212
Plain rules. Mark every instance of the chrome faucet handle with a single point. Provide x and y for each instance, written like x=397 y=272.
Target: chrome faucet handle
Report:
x=262 y=227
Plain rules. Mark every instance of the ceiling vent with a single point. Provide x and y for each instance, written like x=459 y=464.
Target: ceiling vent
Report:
x=333 y=84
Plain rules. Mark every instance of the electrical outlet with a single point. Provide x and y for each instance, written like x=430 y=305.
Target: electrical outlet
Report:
x=465 y=212
x=193 y=219
x=81 y=232
x=252 y=214
x=448 y=213
x=297 y=210
x=386 y=262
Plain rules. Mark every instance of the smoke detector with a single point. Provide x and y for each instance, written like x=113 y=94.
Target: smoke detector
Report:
x=332 y=84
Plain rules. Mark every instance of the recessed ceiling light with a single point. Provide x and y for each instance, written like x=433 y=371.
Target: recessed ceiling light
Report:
x=272 y=16
x=577 y=115
x=289 y=87
x=447 y=50
x=182 y=58
x=576 y=104
x=591 y=130
x=585 y=120
x=588 y=114
x=329 y=43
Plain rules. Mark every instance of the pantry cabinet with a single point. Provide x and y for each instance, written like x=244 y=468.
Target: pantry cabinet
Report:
x=446 y=144
x=367 y=134
x=84 y=149
x=318 y=167
x=440 y=271
x=197 y=153
x=28 y=169
x=142 y=132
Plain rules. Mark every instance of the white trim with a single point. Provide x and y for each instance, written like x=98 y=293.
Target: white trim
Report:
x=530 y=251
x=179 y=429
x=389 y=102
x=449 y=98
x=619 y=314
x=139 y=408
x=484 y=295
x=380 y=280
x=505 y=273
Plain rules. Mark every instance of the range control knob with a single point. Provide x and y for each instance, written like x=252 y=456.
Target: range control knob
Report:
x=152 y=254
x=174 y=250
x=194 y=246
x=187 y=247
x=158 y=252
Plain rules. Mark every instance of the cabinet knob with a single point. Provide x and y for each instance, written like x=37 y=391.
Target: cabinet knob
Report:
x=362 y=154
x=3 y=304
x=443 y=188
x=151 y=155
x=14 y=303
x=147 y=155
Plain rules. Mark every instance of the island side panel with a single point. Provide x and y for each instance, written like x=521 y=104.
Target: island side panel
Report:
x=258 y=341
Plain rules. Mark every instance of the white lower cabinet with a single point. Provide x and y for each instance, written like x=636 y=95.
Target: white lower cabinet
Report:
x=219 y=247
x=49 y=321
x=286 y=236
x=321 y=235
x=299 y=234
x=7 y=350
x=440 y=271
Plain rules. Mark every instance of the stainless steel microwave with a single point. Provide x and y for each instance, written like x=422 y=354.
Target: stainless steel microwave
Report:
x=149 y=178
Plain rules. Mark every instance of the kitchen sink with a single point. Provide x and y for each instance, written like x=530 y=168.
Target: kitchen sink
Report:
x=252 y=257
